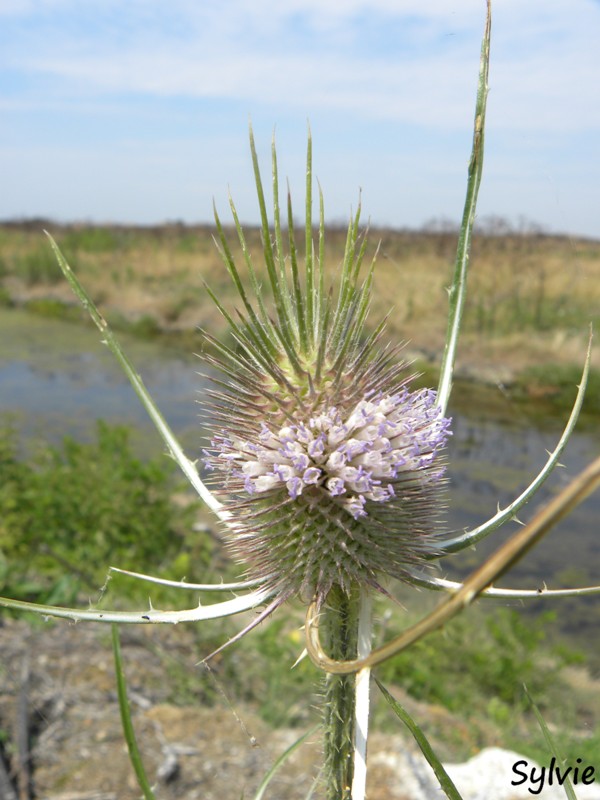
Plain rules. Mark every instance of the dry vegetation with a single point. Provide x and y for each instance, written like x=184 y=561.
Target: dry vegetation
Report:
x=531 y=296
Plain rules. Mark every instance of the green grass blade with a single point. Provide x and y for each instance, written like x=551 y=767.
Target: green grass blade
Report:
x=314 y=786
x=128 y=732
x=281 y=761
x=445 y=781
x=551 y=744
x=459 y=282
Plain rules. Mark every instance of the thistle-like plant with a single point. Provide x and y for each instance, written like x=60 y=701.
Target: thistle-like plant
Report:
x=326 y=466
x=327 y=461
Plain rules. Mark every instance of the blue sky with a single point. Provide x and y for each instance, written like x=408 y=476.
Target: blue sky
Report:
x=137 y=110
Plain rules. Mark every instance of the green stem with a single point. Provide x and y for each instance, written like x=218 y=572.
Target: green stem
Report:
x=128 y=732
x=340 y=627
x=458 y=288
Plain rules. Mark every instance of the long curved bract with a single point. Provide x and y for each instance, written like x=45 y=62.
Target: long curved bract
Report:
x=213 y=611
x=468 y=538
x=198 y=587
x=187 y=467
x=445 y=585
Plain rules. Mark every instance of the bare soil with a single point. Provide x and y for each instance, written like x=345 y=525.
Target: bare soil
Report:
x=59 y=713
x=61 y=735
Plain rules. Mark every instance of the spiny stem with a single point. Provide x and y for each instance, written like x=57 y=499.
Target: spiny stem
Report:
x=340 y=620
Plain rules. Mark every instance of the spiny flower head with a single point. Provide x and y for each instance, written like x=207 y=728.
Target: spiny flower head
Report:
x=329 y=464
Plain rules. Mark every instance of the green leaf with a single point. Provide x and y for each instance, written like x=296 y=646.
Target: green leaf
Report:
x=128 y=732
x=281 y=761
x=420 y=738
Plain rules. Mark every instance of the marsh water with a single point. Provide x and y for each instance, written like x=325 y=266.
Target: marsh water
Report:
x=56 y=378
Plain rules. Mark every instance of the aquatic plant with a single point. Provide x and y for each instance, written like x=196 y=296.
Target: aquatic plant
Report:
x=326 y=468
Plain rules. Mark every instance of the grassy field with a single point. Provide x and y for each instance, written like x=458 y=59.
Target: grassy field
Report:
x=531 y=296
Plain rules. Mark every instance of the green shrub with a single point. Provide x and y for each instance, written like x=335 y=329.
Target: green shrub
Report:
x=78 y=508
x=477 y=657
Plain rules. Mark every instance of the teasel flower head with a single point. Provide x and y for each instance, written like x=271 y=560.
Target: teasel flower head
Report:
x=331 y=466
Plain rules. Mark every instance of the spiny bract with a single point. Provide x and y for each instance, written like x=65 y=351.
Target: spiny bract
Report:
x=329 y=464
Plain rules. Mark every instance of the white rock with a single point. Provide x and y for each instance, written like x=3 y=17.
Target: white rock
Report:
x=489 y=775
x=486 y=776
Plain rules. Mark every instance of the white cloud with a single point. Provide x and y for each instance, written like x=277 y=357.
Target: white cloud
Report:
x=544 y=57
x=376 y=69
